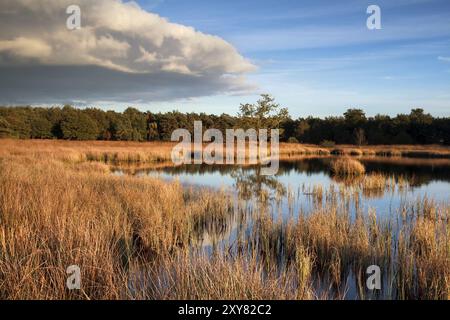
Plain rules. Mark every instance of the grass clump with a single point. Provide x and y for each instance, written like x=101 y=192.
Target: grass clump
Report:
x=347 y=167
x=200 y=277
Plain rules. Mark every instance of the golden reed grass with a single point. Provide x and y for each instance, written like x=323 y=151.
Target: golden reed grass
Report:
x=414 y=257
x=54 y=215
x=133 y=238
x=347 y=167
x=151 y=152
x=119 y=151
x=425 y=151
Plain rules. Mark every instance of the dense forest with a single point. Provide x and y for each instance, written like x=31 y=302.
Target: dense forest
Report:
x=354 y=127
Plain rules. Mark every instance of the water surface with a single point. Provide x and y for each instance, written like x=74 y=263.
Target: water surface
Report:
x=302 y=186
x=426 y=178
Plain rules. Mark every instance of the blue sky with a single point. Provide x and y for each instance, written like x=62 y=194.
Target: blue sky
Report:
x=318 y=57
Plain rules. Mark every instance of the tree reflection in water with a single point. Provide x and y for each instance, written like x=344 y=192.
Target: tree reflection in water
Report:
x=251 y=184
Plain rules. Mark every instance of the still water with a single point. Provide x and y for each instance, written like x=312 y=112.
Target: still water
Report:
x=425 y=177
x=294 y=191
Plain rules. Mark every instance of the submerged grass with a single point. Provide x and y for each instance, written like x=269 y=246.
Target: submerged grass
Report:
x=220 y=277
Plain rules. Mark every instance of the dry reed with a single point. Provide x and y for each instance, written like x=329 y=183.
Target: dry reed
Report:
x=135 y=238
x=347 y=167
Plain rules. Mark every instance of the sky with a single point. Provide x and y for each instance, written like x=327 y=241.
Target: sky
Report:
x=315 y=57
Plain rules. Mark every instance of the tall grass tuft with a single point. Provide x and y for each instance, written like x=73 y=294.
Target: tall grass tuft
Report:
x=347 y=167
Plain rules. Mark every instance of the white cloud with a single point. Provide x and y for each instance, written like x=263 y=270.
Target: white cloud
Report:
x=26 y=48
x=120 y=37
x=115 y=35
x=446 y=59
x=146 y=56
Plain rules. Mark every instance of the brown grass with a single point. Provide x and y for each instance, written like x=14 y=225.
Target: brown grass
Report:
x=79 y=151
x=347 y=167
x=218 y=278
x=151 y=152
x=415 y=265
x=55 y=215
x=135 y=238
x=417 y=151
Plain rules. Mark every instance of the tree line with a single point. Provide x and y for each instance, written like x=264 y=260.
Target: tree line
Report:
x=353 y=127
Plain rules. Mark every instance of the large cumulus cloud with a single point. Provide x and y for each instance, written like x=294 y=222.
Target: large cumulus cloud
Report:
x=121 y=53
